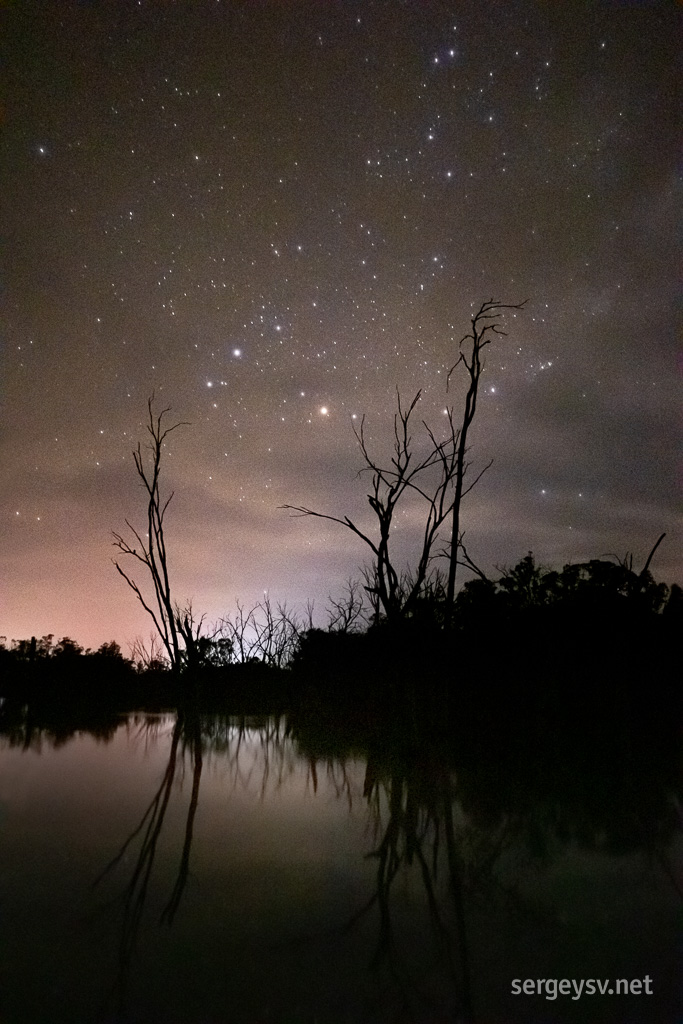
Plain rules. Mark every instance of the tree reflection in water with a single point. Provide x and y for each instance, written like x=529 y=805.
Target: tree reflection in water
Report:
x=468 y=831
x=477 y=832
x=419 y=819
x=193 y=734
x=185 y=738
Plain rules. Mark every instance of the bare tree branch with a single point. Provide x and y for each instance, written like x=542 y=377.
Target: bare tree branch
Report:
x=151 y=550
x=651 y=555
x=485 y=324
x=393 y=592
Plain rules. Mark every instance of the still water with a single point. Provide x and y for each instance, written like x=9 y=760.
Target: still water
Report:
x=211 y=869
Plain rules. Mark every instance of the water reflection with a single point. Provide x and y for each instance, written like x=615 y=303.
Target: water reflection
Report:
x=468 y=875
x=186 y=738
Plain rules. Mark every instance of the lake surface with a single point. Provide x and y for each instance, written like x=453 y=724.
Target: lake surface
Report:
x=211 y=869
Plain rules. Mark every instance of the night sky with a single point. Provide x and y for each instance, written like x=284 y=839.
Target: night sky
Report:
x=273 y=214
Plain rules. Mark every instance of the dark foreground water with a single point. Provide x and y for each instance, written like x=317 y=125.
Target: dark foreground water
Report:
x=216 y=869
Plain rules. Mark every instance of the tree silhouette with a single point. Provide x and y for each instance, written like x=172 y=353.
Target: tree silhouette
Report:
x=485 y=324
x=394 y=592
x=151 y=551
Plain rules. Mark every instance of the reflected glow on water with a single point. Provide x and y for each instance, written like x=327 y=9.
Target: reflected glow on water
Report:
x=215 y=869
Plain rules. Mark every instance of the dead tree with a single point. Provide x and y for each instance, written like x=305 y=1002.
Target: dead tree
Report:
x=150 y=549
x=148 y=656
x=485 y=324
x=266 y=633
x=396 y=593
x=239 y=633
x=347 y=614
x=276 y=633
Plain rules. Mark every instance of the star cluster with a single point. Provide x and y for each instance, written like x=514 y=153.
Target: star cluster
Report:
x=271 y=216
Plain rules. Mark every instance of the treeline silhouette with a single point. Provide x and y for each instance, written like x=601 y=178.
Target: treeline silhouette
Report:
x=572 y=648
x=70 y=682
